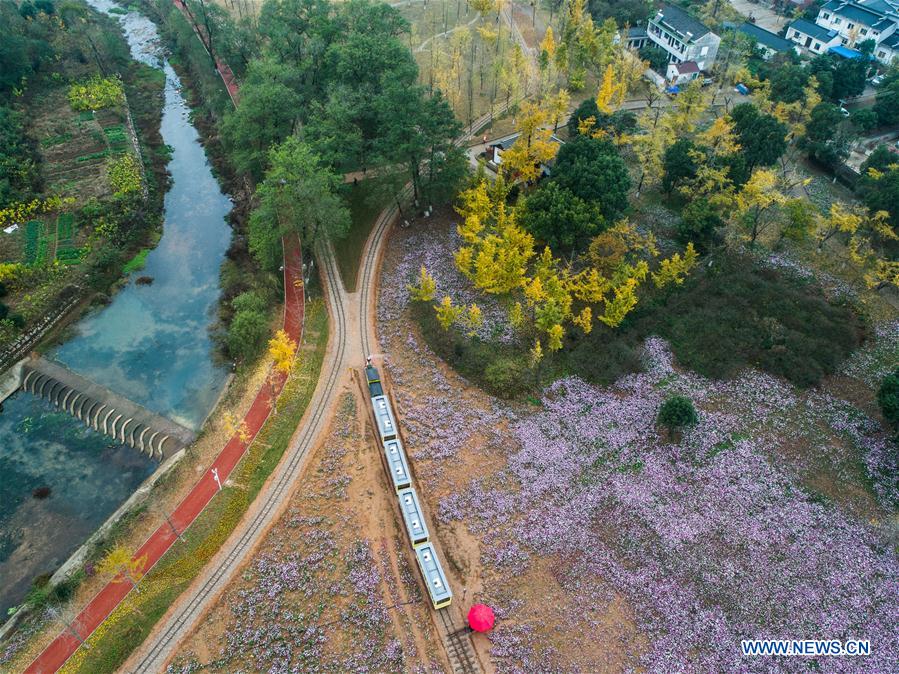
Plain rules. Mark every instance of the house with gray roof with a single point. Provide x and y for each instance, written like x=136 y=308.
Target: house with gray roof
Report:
x=767 y=42
x=858 y=20
x=816 y=39
x=683 y=37
x=888 y=50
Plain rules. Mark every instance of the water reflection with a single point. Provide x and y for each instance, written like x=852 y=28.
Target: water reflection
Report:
x=150 y=344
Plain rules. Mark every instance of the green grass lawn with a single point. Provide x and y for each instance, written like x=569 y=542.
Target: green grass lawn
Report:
x=365 y=201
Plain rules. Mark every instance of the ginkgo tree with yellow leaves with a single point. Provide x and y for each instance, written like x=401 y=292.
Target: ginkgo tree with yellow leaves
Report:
x=534 y=145
x=281 y=349
x=603 y=285
x=859 y=228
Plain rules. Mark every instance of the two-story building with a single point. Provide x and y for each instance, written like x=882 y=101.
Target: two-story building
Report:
x=683 y=37
x=856 y=21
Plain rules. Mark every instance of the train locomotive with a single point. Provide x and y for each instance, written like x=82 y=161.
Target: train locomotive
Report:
x=410 y=507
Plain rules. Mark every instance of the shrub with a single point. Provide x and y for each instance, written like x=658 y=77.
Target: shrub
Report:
x=737 y=316
x=499 y=369
x=619 y=355
x=506 y=377
x=249 y=301
x=888 y=397
x=247 y=334
x=699 y=224
x=677 y=412
x=96 y=93
x=727 y=317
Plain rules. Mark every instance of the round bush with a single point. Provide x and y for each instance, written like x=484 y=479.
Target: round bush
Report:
x=247 y=334
x=677 y=412
x=506 y=377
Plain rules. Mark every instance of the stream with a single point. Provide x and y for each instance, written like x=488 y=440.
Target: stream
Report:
x=151 y=344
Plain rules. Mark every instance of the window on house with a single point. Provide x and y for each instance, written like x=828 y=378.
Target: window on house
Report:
x=817 y=46
x=842 y=40
x=837 y=21
x=881 y=54
x=826 y=15
x=863 y=31
x=850 y=25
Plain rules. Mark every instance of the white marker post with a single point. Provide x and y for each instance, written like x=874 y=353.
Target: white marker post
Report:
x=215 y=476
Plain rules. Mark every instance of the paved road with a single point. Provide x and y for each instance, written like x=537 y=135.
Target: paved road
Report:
x=764 y=17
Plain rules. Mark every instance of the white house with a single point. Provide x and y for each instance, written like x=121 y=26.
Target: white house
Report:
x=816 y=39
x=683 y=37
x=858 y=20
x=679 y=73
x=888 y=51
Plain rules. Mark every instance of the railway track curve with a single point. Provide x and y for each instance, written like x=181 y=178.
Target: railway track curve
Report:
x=157 y=650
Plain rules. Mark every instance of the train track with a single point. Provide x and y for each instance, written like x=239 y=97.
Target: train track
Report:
x=458 y=646
x=377 y=237
x=153 y=659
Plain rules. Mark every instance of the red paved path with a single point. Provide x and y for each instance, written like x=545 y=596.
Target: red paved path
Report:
x=224 y=69
x=106 y=600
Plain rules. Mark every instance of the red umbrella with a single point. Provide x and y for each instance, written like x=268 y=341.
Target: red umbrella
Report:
x=481 y=618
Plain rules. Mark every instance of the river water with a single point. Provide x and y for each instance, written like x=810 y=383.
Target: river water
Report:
x=151 y=344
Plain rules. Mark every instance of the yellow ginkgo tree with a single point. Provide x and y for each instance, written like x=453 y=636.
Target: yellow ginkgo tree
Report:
x=497 y=255
x=495 y=250
x=425 y=289
x=281 y=349
x=119 y=562
x=757 y=203
x=860 y=228
x=533 y=146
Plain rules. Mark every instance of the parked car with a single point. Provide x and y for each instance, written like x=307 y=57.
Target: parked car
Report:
x=877 y=80
x=844 y=111
x=742 y=89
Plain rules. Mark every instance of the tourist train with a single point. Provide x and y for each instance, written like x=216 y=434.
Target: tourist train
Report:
x=407 y=498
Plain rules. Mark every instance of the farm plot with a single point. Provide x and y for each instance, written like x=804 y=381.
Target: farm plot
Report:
x=67 y=252
x=75 y=146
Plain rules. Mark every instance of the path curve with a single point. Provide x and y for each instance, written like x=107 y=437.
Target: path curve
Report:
x=192 y=603
x=456 y=640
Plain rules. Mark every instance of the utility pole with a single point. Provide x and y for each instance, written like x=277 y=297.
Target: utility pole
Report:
x=69 y=626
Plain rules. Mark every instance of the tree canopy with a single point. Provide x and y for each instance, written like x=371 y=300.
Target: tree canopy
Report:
x=592 y=170
x=299 y=195
x=762 y=137
x=560 y=219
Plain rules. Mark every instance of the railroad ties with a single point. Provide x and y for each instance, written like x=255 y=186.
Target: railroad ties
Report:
x=458 y=645
x=104 y=410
